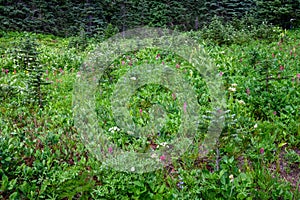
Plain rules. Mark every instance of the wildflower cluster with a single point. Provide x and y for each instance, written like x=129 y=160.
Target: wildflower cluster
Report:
x=114 y=129
x=241 y=102
x=232 y=88
x=180 y=183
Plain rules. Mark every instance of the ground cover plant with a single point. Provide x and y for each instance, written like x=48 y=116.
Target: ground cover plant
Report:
x=257 y=156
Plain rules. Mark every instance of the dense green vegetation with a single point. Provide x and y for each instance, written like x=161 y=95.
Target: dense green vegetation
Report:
x=257 y=156
x=43 y=45
x=71 y=17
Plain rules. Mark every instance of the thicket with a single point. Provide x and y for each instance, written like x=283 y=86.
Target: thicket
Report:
x=71 y=17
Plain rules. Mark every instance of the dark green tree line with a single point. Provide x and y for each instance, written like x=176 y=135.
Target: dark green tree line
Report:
x=70 y=17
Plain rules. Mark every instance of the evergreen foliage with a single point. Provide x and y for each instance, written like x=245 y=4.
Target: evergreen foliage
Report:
x=282 y=12
x=70 y=17
x=27 y=60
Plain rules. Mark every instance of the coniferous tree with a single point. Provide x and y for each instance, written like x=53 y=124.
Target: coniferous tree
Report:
x=281 y=12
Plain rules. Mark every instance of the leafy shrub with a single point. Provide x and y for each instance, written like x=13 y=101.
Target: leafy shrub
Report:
x=240 y=32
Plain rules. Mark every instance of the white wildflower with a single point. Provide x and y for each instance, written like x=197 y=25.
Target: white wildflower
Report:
x=231 y=178
x=163 y=144
x=113 y=129
x=232 y=89
x=241 y=102
x=130 y=132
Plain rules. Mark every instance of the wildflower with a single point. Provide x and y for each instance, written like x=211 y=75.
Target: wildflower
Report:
x=163 y=144
x=298 y=76
x=234 y=85
x=6 y=71
x=221 y=73
x=141 y=111
x=130 y=132
x=255 y=126
x=241 y=102
x=177 y=66
x=78 y=75
x=248 y=91
x=278 y=76
x=174 y=96
x=110 y=149
x=231 y=178
x=162 y=158
x=47 y=71
x=180 y=184
x=162 y=62
x=15 y=71
x=132 y=169
x=113 y=129
x=61 y=70
x=158 y=134
x=47 y=79
x=157 y=56
x=281 y=68
x=232 y=89
x=133 y=78
x=274 y=113
x=184 y=106
x=261 y=150
x=123 y=62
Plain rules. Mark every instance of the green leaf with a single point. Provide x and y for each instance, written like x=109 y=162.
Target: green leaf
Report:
x=12 y=184
x=14 y=196
x=4 y=183
x=162 y=188
x=282 y=144
x=138 y=183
